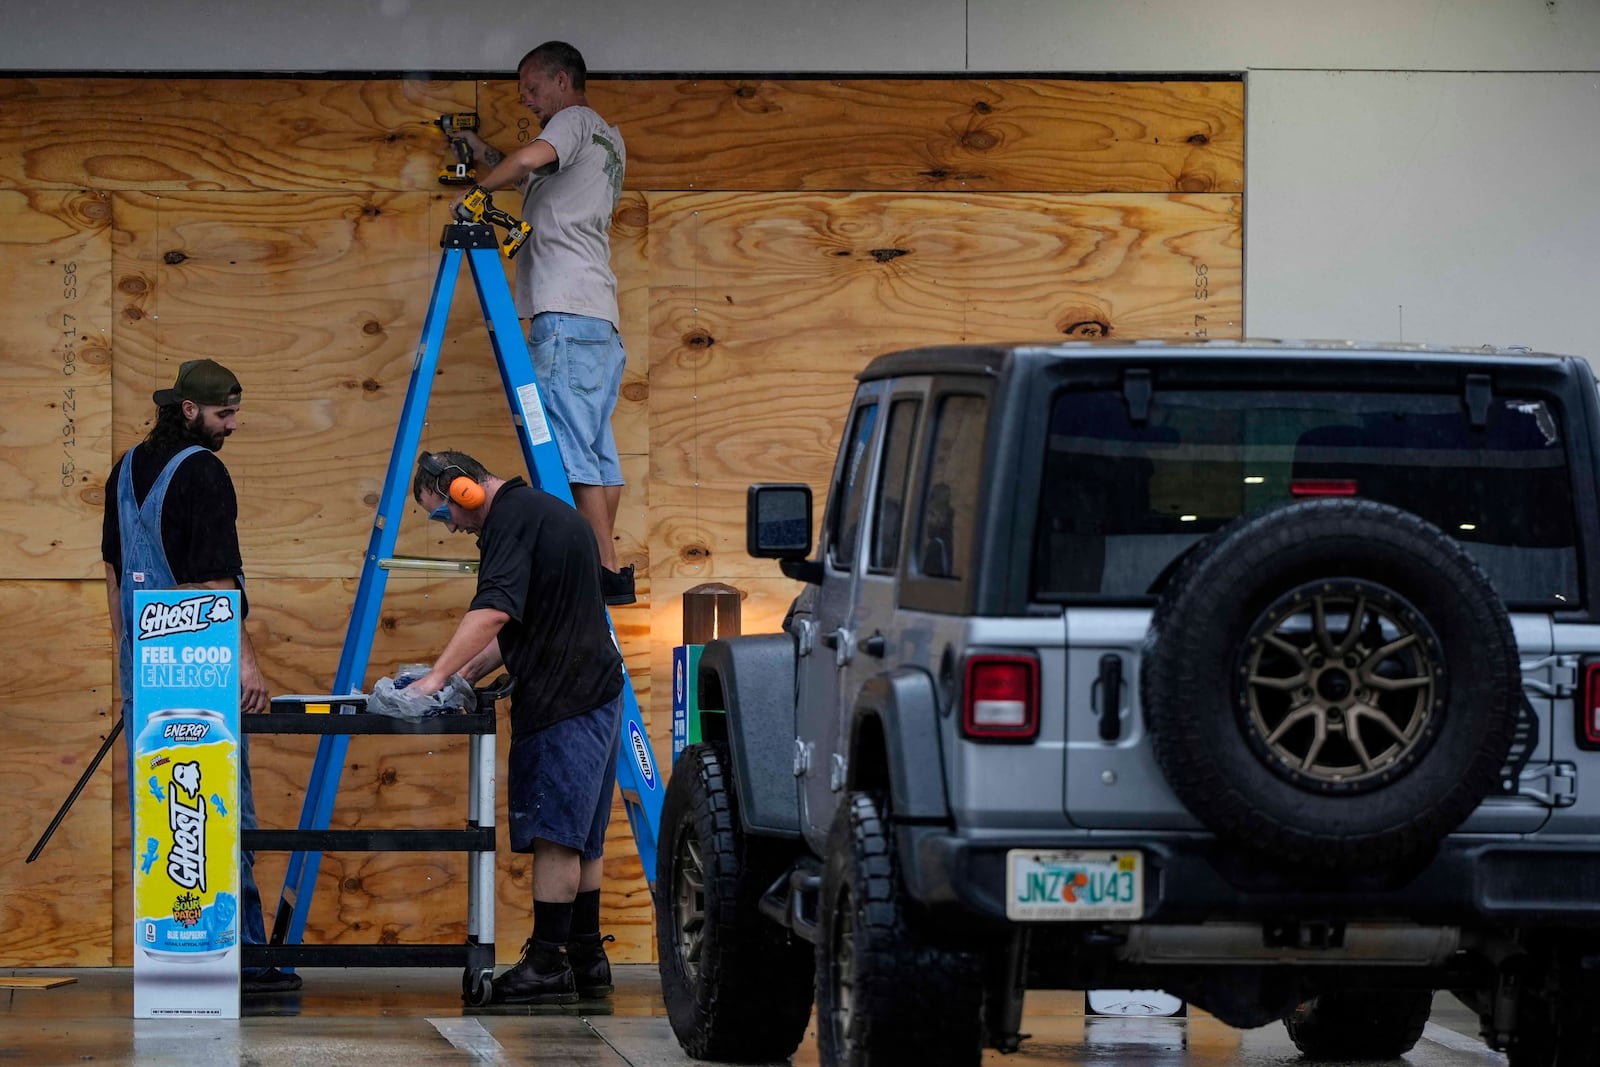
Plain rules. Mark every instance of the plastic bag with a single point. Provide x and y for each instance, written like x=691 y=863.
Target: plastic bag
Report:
x=403 y=703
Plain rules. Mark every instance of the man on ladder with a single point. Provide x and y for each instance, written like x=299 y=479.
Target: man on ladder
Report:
x=570 y=177
x=538 y=612
x=581 y=337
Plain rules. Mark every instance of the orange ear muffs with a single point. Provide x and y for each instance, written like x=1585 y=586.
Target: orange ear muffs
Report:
x=466 y=492
x=461 y=489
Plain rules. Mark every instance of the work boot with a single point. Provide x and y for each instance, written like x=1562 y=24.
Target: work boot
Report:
x=617 y=586
x=590 y=968
x=268 y=981
x=542 y=976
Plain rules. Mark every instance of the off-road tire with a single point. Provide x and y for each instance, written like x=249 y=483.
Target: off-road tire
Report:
x=886 y=993
x=747 y=997
x=1201 y=699
x=1557 y=1030
x=1360 y=1024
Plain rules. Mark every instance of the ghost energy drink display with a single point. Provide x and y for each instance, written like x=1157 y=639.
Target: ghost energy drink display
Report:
x=185 y=739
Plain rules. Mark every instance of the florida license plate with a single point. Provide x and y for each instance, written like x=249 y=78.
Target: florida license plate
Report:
x=1074 y=886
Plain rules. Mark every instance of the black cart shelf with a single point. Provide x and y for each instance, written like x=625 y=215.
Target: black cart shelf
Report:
x=348 y=715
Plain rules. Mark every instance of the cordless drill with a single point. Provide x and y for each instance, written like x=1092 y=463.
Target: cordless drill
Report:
x=479 y=207
x=461 y=172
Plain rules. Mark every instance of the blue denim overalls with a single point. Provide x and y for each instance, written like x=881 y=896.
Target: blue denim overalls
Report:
x=145 y=567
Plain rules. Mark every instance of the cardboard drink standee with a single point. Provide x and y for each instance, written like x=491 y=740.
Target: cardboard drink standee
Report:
x=184 y=738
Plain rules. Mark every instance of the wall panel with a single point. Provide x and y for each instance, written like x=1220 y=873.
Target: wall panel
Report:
x=55 y=368
x=773 y=236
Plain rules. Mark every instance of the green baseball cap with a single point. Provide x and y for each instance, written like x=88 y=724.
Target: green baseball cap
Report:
x=205 y=381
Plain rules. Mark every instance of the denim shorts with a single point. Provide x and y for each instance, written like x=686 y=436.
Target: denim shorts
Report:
x=562 y=778
x=579 y=362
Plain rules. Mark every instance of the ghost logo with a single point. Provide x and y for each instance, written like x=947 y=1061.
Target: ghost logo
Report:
x=186 y=816
x=185 y=617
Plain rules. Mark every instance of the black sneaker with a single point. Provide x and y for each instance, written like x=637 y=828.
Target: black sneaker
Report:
x=617 y=586
x=270 y=980
x=590 y=968
x=542 y=976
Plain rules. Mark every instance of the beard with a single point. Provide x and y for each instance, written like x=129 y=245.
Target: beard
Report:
x=204 y=437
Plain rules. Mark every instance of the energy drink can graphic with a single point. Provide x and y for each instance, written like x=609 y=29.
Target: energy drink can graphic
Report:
x=186 y=762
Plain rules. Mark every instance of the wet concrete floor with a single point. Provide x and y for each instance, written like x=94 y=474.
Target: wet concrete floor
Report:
x=355 y=1018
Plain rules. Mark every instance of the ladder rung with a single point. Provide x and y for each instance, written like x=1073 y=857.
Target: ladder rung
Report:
x=432 y=566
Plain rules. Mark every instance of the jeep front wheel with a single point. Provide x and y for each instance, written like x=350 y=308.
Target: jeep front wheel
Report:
x=885 y=992
x=736 y=985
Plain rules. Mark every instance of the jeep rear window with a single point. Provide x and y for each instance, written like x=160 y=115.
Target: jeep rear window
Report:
x=1122 y=500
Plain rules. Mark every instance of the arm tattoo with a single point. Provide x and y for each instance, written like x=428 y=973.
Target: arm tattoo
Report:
x=491 y=156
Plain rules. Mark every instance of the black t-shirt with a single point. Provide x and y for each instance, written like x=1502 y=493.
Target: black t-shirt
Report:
x=199 y=521
x=540 y=565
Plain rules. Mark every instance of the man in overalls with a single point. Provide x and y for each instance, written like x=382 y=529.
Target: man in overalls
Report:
x=171 y=523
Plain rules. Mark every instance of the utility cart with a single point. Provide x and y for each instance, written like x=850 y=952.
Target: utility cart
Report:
x=347 y=715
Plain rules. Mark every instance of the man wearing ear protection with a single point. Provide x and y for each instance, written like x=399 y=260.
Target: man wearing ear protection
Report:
x=538 y=610
x=170 y=523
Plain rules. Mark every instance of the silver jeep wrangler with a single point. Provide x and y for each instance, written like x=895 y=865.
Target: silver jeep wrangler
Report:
x=1267 y=675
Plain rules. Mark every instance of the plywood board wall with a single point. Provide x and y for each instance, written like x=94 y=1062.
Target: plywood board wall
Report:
x=772 y=237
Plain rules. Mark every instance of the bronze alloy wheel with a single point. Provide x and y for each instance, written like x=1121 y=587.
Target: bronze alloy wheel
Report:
x=689 y=903
x=844 y=966
x=1341 y=682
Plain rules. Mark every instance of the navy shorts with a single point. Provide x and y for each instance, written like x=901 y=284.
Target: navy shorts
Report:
x=562 y=778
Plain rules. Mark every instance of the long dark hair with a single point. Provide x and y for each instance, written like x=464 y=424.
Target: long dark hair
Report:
x=171 y=431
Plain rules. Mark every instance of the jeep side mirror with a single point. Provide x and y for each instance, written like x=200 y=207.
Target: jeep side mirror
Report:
x=777 y=523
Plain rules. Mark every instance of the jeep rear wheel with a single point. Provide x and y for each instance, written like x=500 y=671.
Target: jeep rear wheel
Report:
x=736 y=985
x=1360 y=1024
x=1334 y=683
x=886 y=994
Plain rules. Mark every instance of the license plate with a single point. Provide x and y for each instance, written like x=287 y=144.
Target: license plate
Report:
x=1074 y=886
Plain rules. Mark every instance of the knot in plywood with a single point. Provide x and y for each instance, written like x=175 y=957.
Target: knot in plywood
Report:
x=637 y=392
x=695 y=554
x=698 y=338
x=884 y=255
x=980 y=140
x=173 y=258
x=1084 y=321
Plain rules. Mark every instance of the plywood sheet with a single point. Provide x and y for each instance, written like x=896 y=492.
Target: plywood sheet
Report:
x=763 y=307
x=55 y=713
x=316 y=302
x=913 y=134
x=55 y=366
x=159 y=134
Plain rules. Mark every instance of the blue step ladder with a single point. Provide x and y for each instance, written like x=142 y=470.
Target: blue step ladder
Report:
x=636 y=770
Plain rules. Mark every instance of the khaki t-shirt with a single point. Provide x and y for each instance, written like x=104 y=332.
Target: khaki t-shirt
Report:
x=567 y=264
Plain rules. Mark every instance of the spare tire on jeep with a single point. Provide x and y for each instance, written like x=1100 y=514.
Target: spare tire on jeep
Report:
x=1333 y=682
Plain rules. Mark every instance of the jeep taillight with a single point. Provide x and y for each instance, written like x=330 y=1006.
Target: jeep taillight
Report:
x=1000 y=701
x=1588 y=709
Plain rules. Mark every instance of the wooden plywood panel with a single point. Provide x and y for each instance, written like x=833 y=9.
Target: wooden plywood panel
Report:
x=224 y=133
x=55 y=365
x=913 y=134
x=316 y=302
x=764 y=307
x=55 y=911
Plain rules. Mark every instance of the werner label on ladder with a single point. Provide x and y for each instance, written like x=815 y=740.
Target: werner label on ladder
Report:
x=476 y=242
